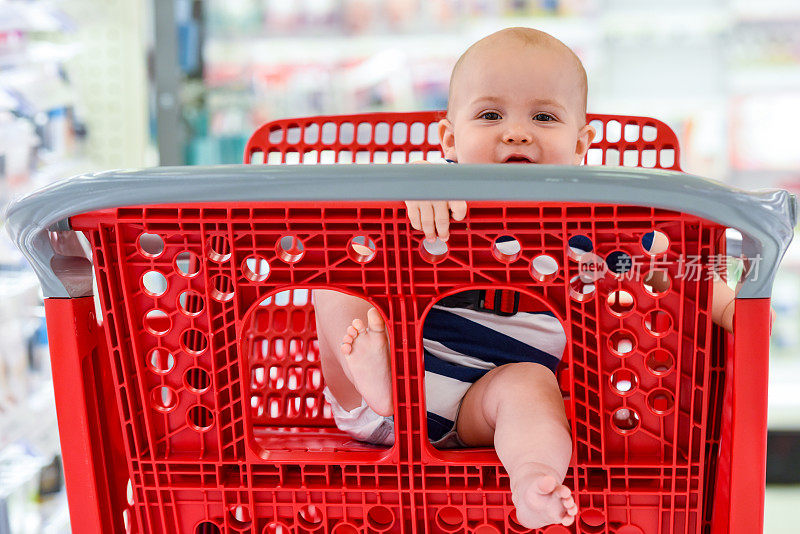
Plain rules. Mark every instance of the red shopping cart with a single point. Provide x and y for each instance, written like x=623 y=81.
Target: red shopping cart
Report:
x=193 y=402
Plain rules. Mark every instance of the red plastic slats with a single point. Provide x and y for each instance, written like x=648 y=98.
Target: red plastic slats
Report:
x=403 y=137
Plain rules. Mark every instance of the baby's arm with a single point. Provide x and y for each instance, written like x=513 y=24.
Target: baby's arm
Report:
x=433 y=216
x=723 y=301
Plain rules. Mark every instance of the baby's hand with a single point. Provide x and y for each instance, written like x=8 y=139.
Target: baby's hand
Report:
x=433 y=216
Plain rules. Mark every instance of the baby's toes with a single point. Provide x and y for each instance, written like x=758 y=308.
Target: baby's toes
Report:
x=352 y=333
x=347 y=345
x=567 y=520
x=568 y=503
x=359 y=326
x=546 y=484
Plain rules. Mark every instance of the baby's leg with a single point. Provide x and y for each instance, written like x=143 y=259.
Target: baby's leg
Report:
x=356 y=366
x=519 y=409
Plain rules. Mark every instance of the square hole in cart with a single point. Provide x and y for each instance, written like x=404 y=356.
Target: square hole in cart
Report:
x=292 y=376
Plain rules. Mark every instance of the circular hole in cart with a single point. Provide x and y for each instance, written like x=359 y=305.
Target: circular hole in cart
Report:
x=274 y=527
x=619 y=262
x=160 y=361
x=150 y=245
x=310 y=516
x=656 y=283
x=190 y=303
x=197 y=380
x=157 y=322
x=221 y=288
x=199 y=418
x=361 y=249
x=622 y=343
x=380 y=517
x=592 y=521
x=661 y=401
x=659 y=362
x=207 y=527
x=154 y=283
x=655 y=243
x=657 y=322
x=345 y=528
x=194 y=341
x=290 y=249
x=625 y=420
x=433 y=251
x=255 y=268
x=163 y=398
x=187 y=264
x=219 y=250
x=506 y=249
x=239 y=517
x=449 y=518
x=624 y=382
x=578 y=245
x=579 y=290
x=544 y=268
x=620 y=303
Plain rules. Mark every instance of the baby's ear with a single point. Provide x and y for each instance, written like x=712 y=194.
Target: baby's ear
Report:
x=585 y=136
x=447 y=139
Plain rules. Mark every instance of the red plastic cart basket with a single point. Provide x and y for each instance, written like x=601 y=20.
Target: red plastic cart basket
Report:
x=193 y=402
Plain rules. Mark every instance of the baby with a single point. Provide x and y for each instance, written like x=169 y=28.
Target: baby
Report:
x=516 y=96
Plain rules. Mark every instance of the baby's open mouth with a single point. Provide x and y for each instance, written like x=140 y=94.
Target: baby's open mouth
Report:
x=518 y=158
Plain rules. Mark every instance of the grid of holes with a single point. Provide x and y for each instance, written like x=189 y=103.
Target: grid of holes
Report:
x=505 y=249
x=162 y=361
x=285 y=378
x=238 y=517
x=350 y=142
x=631 y=143
x=624 y=382
x=290 y=249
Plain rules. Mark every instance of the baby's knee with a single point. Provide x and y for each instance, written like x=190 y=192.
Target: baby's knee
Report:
x=523 y=374
x=515 y=381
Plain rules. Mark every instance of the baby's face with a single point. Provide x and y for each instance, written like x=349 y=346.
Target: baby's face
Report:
x=516 y=104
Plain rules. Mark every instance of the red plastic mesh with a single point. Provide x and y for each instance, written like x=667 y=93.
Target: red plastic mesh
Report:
x=205 y=453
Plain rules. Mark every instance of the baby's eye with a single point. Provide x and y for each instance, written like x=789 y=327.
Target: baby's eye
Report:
x=491 y=116
x=544 y=117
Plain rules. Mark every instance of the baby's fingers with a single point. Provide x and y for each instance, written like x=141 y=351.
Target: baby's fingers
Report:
x=459 y=209
x=412 y=208
x=426 y=215
x=441 y=215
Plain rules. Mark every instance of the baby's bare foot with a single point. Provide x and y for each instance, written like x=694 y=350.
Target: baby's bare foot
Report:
x=540 y=499
x=366 y=353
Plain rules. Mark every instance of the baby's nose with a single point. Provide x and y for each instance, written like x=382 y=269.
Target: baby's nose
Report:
x=517 y=135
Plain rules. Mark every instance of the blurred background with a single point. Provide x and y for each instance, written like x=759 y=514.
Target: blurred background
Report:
x=89 y=85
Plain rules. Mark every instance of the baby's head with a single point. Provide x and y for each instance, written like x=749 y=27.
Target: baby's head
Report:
x=518 y=95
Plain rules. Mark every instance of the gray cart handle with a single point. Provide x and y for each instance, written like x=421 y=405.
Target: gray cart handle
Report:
x=766 y=219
